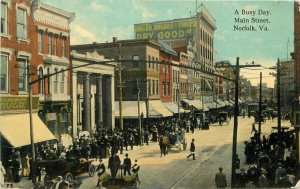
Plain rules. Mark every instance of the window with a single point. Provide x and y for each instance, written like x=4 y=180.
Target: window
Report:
x=157 y=87
x=22 y=75
x=135 y=61
x=40 y=41
x=153 y=63
x=156 y=64
x=55 y=81
x=62 y=82
x=48 y=81
x=165 y=88
x=149 y=86
x=21 y=23
x=169 y=89
x=3 y=73
x=63 y=47
x=3 y=17
x=41 y=82
x=149 y=61
x=49 y=43
x=153 y=87
x=55 y=45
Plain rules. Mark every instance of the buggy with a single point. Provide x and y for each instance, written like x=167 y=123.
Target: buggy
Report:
x=177 y=140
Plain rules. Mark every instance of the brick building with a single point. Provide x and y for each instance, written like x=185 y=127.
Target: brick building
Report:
x=51 y=33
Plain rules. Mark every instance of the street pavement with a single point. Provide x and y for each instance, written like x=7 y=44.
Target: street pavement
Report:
x=213 y=150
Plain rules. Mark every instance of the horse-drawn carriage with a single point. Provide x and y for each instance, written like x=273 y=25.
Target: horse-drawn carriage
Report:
x=175 y=140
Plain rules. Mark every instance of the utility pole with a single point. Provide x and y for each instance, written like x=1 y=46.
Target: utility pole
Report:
x=260 y=103
x=120 y=87
x=236 y=113
x=178 y=100
x=139 y=111
x=278 y=99
x=31 y=126
x=235 y=126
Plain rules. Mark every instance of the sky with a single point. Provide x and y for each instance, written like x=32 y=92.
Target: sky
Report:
x=100 y=20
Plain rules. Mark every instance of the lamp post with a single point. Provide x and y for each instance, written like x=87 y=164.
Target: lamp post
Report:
x=139 y=111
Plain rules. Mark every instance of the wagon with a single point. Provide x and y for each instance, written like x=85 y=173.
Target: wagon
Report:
x=68 y=169
x=177 y=141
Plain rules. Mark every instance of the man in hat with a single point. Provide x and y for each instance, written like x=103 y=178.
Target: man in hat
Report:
x=100 y=169
x=192 y=149
x=220 y=179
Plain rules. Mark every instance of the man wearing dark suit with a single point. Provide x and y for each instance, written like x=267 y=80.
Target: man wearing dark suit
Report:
x=127 y=165
x=192 y=149
x=114 y=164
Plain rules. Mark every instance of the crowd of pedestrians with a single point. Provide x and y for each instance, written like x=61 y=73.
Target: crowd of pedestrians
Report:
x=271 y=160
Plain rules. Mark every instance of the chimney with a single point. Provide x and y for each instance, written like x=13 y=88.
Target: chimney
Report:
x=115 y=39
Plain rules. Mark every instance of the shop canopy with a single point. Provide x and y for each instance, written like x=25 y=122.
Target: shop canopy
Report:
x=130 y=109
x=221 y=103
x=15 y=128
x=173 y=107
x=196 y=104
x=158 y=106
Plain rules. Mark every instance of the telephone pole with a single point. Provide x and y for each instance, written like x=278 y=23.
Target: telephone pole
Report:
x=178 y=100
x=236 y=113
x=278 y=98
x=259 y=107
x=120 y=87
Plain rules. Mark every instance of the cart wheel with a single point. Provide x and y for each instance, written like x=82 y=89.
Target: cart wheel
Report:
x=68 y=176
x=92 y=170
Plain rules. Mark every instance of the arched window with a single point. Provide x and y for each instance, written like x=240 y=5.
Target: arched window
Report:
x=62 y=82
x=41 y=82
x=55 y=81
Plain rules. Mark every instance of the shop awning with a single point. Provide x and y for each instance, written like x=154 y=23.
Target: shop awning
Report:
x=211 y=105
x=226 y=103
x=15 y=128
x=221 y=103
x=196 y=104
x=130 y=109
x=173 y=107
x=158 y=106
x=231 y=102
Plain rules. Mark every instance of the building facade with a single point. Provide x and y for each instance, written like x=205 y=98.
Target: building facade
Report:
x=92 y=93
x=19 y=67
x=51 y=33
x=198 y=32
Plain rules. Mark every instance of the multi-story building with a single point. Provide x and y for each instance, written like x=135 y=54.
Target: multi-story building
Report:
x=26 y=56
x=51 y=34
x=166 y=56
x=140 y=72
x=287 y=84
x=297 y=45
x=179 y=33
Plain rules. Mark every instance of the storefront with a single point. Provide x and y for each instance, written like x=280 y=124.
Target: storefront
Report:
x=15 y=124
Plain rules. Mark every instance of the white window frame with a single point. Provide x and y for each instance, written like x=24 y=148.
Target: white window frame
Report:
x=41 y=82
x=63 y=47
x=25 y=77
x=55 y=44
x=25 y=23
x=55 y=81
x=50 y=43
x=40 y=41
x=5 y=19
x=7 y=60
x=62 y=82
